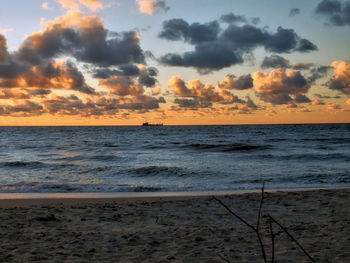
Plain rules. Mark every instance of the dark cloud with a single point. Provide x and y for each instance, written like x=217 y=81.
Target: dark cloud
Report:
x=305 y=45
x=10 y=68
x=192 y=103
x=206 y=57
x=232 y=18
x=327 y=96
x=147 y=76
x=124 y=70
x=300 y=98
x=302 y=65
x=161 y=5
x=23 y=109
x=318 y=73
x=3 y=48
x=179 y=29
x=87 y=41
x=294 y=12
x=141 y=102
x=18 y=93
x=336 y=12
x=242 y=82
x=275 y=61
x=72 y=105
x=255 y=20
x=215 y=49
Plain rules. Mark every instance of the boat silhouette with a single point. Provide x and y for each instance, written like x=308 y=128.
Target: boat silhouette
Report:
x=150 y=124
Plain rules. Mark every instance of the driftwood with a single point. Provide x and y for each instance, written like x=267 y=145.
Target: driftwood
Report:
x=256 y=229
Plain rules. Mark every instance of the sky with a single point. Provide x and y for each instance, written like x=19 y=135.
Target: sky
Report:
x=177 y=62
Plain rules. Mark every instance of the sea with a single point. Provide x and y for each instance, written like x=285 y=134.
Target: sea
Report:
x=106 y=159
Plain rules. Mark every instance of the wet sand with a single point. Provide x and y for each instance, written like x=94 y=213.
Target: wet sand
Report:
x=175 y=229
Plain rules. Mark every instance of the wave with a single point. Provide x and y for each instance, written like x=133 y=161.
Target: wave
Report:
x=306 y=156
x=15 y=164
x=39 y=187
x=148 y=171
x=32 y=165
x=327 y=140
x=235 y=147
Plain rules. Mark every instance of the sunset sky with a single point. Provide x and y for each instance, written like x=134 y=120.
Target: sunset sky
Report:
x=123 y=62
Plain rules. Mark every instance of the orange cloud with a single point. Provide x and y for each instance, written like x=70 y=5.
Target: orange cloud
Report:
x=277 y=86
x=76 y=4
x=122 y=85
x=348 y=101
x=151 y=6
x=333 y=106
x=54 y=75
x=197 y=95
x=45 y=5
x=341 y=77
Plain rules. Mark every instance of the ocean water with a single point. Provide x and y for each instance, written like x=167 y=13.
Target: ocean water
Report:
x=173 y=158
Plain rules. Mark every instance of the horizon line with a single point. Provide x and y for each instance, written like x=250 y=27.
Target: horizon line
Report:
x=140 y=125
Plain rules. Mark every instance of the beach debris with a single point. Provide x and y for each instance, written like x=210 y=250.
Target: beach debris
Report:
x=256 y=229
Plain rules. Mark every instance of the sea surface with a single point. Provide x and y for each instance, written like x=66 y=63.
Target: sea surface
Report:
x=173 y=158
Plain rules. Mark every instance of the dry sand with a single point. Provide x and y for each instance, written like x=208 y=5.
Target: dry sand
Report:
x=175 y=230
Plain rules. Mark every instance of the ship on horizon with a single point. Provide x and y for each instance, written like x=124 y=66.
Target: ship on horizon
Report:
x=150 y=124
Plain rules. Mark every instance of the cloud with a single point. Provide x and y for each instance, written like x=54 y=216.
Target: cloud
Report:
x=31 y=76
x=336 y=12
x=84 y=38
x=333 y=106
x=24 y=108
x=242 y=82
x=179 y=29
x=93 y=5
x=277 y=86
x=275 y=61
x=19 y=93
x=300 y=98
x=232 y=18
x=348 y=101
x=341 y=77
x=327 y=96
x=72 y=105
x=122 y=85
x=197 y=94
x=151 y=6
x=3 y=48
x=205 y=58
x=318 y=73
x=215 y=48
x=302 y=65
x=54 y=75
x=317 y=102
x=294 y=12
x=45 y=5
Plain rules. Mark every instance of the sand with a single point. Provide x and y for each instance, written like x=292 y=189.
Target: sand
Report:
x=188 y=229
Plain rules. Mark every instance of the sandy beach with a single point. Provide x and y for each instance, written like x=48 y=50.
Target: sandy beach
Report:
x=175 y=229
